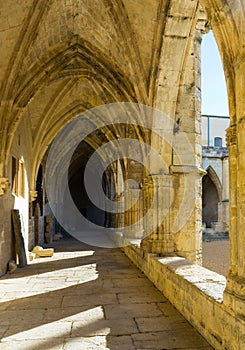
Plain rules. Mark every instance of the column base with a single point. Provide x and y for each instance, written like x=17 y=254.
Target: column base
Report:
x=234 y=295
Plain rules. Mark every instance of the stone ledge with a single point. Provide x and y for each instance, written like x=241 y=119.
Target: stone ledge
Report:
x=208 y=282
x=186 y=169
x=197 y=293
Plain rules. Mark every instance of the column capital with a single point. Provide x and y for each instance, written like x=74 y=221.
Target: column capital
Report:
x=4 y=185
x=203 y=24
x=231 y=136
x=32 y=195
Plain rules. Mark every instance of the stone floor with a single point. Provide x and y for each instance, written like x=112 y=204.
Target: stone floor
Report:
x=86 y=298
x=216 y=256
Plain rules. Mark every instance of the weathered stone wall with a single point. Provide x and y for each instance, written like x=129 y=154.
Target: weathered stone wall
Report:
x=20 y=151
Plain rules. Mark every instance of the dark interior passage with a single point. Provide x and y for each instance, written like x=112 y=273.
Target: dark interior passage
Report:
x=210 y=201
x=80 y=197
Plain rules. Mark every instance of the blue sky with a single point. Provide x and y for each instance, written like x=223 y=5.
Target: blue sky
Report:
x=214 y=95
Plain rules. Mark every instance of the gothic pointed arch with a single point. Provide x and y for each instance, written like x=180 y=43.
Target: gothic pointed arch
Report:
x=215 y=179
x=211 y=196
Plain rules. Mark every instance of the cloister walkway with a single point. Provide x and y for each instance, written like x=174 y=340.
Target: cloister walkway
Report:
x=88 y=298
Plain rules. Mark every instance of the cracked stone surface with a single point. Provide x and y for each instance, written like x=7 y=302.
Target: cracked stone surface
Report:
x=86 y=298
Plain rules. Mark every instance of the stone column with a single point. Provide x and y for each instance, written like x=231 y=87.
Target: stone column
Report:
x=37 y=214
x=108 y=214
x=223 y=206
x=235 y=286
x=120 y=216
x=133 y=223
x=241 y=199
x=185 y=167
x=186 y=219
x=223 y=216
x=225 y=184
x=31 y=223
x=158 y=195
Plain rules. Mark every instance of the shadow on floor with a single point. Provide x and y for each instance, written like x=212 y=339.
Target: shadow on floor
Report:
x=99 y=301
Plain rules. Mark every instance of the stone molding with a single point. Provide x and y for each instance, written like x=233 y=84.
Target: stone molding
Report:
x=186 y=169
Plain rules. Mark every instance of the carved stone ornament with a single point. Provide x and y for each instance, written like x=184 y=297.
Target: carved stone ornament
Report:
x=231 y=136
x=32 y=195
x=4 y=185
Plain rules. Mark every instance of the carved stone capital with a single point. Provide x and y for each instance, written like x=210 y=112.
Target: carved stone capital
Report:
x=32 y=195
x=203 y=24
x=4 y=185
x=231 y=136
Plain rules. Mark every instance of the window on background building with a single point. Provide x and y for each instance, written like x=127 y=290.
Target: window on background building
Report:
x=218 y=142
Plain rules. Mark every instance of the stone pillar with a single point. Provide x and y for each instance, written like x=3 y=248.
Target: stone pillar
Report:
x=158 y=195
x=223 y=206
x=223 y=216
x=120 y=215
x=49 y=228
x=31 y=222
x=148 y=189
x=133 y=223
x=172 y=213
x=108 y=219
x=235 y=286
x=186 y=218
x=185 y=167
x=37 y=214
x=225 y=182
x=232 y=146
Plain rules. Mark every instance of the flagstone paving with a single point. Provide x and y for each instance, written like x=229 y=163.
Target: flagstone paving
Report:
x=88 y=298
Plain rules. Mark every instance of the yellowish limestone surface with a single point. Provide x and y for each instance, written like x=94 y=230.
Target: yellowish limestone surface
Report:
x=60 y=58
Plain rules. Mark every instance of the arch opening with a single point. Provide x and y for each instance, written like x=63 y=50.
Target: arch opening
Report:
x=215 y=185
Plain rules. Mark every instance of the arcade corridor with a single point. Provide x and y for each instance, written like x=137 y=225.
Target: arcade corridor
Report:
x=86 y=298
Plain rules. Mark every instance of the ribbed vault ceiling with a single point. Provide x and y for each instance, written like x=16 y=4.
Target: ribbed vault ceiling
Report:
x=60 y=57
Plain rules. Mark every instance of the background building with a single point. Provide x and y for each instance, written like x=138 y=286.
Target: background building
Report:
x=215 y=184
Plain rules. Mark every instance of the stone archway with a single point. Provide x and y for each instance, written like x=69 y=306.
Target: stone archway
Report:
x=98 y=52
